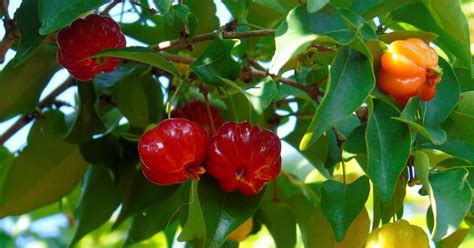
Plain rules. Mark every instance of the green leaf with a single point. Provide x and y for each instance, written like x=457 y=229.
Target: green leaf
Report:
x=56 y=14
x=422 y=168
x=216 y=62
x=87 y=122
x=301 y=28
x=419 y=16
x=388 y=148
x=355 y=142
x=406 y=34
x=463 y=116
x=6 y=159
x=139 y=98
x=25 y=82
x=99 y=198
x=28 y=24
x=195 y=226
x=224 y=212
x=450 y=199
x=437 y=110
x=236 y=8
x=141 y=54
x=45 y=171
x=164 y=6
x=342 y=203
x=371 y=8
x=160 y=31
x=315 y=5
x=103 y=151
x=350 y=81
x=158 y=216
x=207 y=21
x=278 y=219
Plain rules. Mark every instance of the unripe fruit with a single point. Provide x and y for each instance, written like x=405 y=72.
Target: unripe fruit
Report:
x=244 y=157
x=196 y=111
x=173 y=151
x=242 y=232
x=410 y=68
x=398 y=234
x=84 y=38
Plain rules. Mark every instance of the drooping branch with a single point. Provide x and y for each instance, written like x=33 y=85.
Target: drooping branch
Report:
x=182 y=43
x=27 y=118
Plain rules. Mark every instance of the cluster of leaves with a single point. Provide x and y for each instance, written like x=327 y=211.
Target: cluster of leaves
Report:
x=330 y=49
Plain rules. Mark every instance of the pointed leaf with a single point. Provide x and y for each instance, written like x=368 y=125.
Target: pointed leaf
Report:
x=342 y=203
x=195 y=226
x=388 y=148
x=350 y=82
x=450 y=199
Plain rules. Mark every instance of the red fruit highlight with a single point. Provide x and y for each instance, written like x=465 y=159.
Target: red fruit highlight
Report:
x=84 y=38
x=244 y=157
x=196 y=111
x=173 y=151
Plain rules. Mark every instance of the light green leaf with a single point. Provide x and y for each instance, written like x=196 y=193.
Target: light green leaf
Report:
x=350 y=81
x=56 y=14
x=315 y=5
x=45 y=171
x=301 y=28
x=143 y=55
x=450 y=200
x=195 y=227
x=342 y=203
x=388 y=148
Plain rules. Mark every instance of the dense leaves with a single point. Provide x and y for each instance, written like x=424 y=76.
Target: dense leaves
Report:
x=306 y=70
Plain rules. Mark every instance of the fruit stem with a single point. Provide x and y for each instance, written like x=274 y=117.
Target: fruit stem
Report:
x=171 y=100
x=204 y=92
x=343 y=170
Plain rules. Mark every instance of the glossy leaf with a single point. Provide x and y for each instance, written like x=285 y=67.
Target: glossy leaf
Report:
x=301 y=28
x=99 y=198
x=388 y=148
x=57 y=169
x=315 y=5
x=64 y=12
x=463 y=116
x=164 y=6
x=141 y=54
x=28 y=24
x=224 y=212
x=24 y=83
x=195 y=227
x=216 y=62
x=342 y=203
x=450 y=199
x=350 y=82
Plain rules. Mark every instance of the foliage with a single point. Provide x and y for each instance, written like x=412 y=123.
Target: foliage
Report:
x=277 y=63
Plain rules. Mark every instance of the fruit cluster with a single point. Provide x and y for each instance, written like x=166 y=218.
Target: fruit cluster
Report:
x=240 y=156
x=409 y=68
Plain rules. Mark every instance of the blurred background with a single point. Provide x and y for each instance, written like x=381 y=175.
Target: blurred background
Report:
x=46 y=228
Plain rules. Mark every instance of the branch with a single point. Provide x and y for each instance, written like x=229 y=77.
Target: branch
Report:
x=11 y=32
x=110 y=7
x=27 y=118
x=182 y=43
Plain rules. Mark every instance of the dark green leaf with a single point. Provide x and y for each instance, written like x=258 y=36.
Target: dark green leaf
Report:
x=195 y=227
x=105 y=151
x=350 y=82
x=28 y=24
x=24 y=83
x=164 y=6
x=463 y=117
x=160 y=31
x=139 y=98
x=207 y=21
x=355 y=142
x=341 y=203
x=388 y=148
x=56 y=14
x=450 y=196
x=236 y=8
x=216 y=62
x=87 y=123
x=45 y=171
x=301 y=28
x=143 y=55
x=158 y=216
x=100 y=197
x=411 y=115
x=406 y=34
x=224 y=212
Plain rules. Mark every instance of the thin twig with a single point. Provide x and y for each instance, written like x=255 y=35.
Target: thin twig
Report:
x=205 y=92
x=182 y=43
x=11 y=31
x=27 y=118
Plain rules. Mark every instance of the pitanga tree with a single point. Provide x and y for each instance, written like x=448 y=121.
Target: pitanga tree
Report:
x=178 y=135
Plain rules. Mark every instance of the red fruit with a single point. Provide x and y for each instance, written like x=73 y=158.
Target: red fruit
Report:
x=244 y=157
x=173 y=151
x=84 y=38
x=196 y=111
